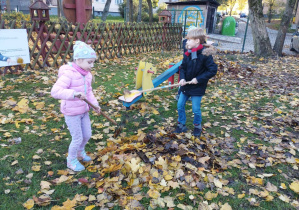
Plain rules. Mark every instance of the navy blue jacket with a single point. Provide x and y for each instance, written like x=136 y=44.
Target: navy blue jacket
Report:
x=203 y=68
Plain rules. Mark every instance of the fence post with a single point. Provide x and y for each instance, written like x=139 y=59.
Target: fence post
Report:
x=244 y=40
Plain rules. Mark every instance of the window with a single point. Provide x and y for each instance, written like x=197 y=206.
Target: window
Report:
x=118 y=1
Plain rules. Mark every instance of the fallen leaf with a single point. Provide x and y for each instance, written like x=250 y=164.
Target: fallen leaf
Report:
x=295 y=186
x=29 y=204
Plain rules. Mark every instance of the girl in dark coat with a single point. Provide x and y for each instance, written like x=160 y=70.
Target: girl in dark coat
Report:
x=197 y=67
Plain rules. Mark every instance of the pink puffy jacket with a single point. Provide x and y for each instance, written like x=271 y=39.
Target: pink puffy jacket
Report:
x=71 y=81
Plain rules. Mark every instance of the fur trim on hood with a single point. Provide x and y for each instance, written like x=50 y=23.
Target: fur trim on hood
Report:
x=209 y=50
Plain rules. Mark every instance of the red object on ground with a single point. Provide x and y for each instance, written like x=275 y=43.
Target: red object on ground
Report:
x=171 y=79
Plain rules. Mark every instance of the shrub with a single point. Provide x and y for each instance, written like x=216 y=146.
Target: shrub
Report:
x=18 y=16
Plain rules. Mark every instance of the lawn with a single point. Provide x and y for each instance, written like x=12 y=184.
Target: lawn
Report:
x=246 y=158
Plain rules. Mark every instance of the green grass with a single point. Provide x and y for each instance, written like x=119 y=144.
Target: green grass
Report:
x=234 y=107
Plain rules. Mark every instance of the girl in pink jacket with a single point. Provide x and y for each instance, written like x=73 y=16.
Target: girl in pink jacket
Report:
x=74 y=85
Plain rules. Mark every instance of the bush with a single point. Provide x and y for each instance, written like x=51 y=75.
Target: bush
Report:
x=18 y=16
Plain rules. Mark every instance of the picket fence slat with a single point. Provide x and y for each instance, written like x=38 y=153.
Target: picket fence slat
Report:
x=51 y=43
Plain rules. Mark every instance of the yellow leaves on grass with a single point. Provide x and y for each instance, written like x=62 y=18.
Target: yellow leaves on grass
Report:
x=295 y=186
x=209 y=195
x=29 y=204
x=22 y=106
x=153 y=194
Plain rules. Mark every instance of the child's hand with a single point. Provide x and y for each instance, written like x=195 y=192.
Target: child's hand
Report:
x=194 y=81
x=80 y=95
x=182 y=82
x=98 y=110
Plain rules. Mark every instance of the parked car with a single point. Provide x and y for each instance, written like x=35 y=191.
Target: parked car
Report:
x=243 y=15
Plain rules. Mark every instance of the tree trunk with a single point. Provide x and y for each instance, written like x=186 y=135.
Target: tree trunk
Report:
x=8 y=6
x=270 y=13
x=131 y=10
x=127 y=9
x=262 y=45
x=106 y=10
x=150 y=10
x=284 y=25
x=139 y=11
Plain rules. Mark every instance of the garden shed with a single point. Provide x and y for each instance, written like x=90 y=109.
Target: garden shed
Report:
x=200 y=13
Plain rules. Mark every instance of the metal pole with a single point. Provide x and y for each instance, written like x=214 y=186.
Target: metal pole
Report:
x=92 y=12
x=245 y=33
x=185 y=22
x=196 y=17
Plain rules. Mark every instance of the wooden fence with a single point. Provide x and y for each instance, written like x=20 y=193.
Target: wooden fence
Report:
x=51 y=44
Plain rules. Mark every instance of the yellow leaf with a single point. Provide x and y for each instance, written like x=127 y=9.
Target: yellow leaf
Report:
x=22 y=106
x=154 y=111
x=35 y=168
x=269 y=198
x=29 y=204
x=283 y=186
x=45 y=185
x=241 y=195
x=168 y=177
x=210 y=196
x=217 y=183
x=89 y=207
x=153 y=194
x=295 y=186
x=69 y=204
x=39 y=105
x=35 y=157
x=62 y=172
x=226 y=206
x=284 y=198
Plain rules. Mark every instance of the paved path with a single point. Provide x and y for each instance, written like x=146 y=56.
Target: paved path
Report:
x=233 y=46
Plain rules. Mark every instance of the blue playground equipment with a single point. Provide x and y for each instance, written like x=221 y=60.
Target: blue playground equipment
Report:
x=157 y=81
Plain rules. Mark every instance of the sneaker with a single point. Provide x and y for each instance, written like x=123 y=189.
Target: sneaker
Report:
x=84 y=156
x=197 y=131
x=180 y=128
x=75 y=165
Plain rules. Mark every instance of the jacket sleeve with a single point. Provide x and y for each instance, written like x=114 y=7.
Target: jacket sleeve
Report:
x=60 y=88
x=182 y=69
x=91 y=96
x=210 y=72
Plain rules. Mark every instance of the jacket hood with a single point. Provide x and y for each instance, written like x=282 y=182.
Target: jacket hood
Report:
x=209 y=50
x=65 y=68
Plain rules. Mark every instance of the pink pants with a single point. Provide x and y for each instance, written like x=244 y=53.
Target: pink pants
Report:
x=80 y=129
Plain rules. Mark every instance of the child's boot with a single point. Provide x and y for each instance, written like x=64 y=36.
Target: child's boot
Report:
x=180 y=128
x=197 y=130
x=75 y=165
x=84 y=156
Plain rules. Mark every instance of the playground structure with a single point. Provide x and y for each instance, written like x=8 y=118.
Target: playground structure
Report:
x=144 y=81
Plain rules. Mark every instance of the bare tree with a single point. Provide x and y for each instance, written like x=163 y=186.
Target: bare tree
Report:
x=131 y=10
x=241 y=4
x=106 y=10
x=139 y=11
x=284 y=24
x=262 y=45
x=271 y=4
x=231 y=4
x=150 y=10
